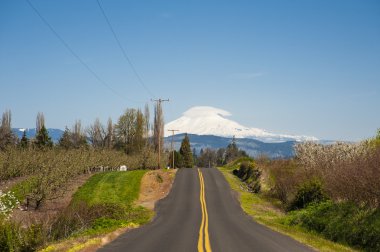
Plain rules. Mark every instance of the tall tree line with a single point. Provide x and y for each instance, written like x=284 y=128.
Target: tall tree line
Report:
x=131 y=133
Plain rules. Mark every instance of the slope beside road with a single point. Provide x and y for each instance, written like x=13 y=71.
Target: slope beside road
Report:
x=201 y=214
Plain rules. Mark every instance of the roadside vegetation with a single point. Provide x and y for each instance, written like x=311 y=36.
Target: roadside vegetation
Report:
x=103 y=204
x=37 y=173
x=326 y=193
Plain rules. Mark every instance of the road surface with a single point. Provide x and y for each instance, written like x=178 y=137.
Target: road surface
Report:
x=201 y=214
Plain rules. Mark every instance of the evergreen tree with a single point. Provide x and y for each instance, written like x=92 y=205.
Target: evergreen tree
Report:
x=24 y=140
x=178 y=159
x=186 y=153
x=43 y=139
x=65 y=140
x=195 y=156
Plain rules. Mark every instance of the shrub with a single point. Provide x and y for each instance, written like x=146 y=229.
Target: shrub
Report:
x=13 y=237
x=249 y=174
x=8 y=202
x=81 y=216
x=307 y=193
x=283 y=179
x=349 y=171
x=343 y=222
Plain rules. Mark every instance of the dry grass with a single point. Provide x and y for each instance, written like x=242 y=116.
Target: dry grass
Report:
x=155 y=185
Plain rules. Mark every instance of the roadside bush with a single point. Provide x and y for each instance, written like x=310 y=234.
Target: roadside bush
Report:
x=78 y=218
x=249 y=174
x=341 y=222
x=283 y=179
x=307 y=193
x=13 y=237
x=81 y=217
x=349 y=172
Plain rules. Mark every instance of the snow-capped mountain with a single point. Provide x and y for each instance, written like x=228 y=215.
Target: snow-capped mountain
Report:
x=204 y=120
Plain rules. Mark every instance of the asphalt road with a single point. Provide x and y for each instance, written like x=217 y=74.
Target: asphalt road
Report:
x=202 y=214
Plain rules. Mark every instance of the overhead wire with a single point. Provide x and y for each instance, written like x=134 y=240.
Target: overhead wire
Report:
x=123 y=51
x=66 y=45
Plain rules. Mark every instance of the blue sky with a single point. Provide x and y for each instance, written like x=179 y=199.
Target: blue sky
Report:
x=300 y=67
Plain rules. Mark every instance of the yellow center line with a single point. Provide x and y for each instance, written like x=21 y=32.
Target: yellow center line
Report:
x=203 y=231
x=200 y=240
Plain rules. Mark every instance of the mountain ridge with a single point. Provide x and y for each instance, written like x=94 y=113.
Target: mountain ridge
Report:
x=55 y=134
x=253 y=147
x=206 y=120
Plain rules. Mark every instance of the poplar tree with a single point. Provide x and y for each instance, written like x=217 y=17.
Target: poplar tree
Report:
x=7 y=137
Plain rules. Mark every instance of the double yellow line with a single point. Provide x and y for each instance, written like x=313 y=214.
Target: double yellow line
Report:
x=203 y=231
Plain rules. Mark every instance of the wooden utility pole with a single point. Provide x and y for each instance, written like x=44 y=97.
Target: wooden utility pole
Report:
x=158 y=102
x=172 y=130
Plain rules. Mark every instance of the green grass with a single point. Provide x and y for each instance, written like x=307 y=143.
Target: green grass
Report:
x=23 y=188
x=263 y=211
x=113 y=194
x=111 y=187
x=118 y=191
x=343 y=222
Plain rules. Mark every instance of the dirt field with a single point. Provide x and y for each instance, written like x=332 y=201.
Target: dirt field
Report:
x=155 y=185
x=51 y=208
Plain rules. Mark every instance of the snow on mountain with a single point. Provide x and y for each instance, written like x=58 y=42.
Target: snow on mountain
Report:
x=204 y=120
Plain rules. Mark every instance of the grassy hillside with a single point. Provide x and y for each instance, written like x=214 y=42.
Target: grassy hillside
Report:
x=112 y=187
x=103 y=204
x=106 y=203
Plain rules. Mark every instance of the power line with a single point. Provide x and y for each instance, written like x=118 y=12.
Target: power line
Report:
x=123 y=51
x=66 y=45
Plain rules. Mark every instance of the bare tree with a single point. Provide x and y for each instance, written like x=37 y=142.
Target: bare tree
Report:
x=125 y=130
x=78 y=136
x=97 y=134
